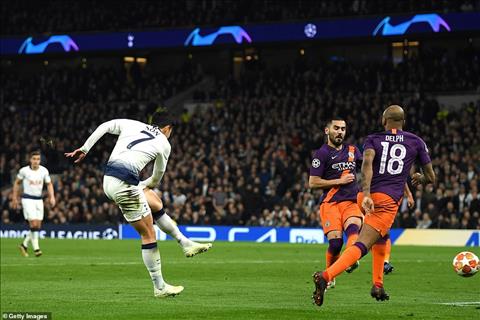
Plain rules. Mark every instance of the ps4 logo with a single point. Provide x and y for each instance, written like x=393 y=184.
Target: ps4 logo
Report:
x=28 y=47
x=237 y=32
x=387 y=29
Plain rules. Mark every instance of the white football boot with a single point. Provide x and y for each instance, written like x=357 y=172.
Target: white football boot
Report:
x=167 y=291
x=196 y=248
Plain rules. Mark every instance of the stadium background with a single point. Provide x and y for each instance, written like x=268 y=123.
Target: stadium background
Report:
x=253 y=83
x=252 y=113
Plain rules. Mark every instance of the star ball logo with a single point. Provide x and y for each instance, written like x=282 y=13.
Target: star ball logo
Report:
x=316 y=163
x=109 y=234
x=310 y=30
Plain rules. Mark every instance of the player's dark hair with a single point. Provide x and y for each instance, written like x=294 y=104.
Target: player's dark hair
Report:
x=35 y=153
x=162 y=118
x=334 y=118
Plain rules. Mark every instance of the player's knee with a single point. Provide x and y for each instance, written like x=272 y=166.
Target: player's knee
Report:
x=352 y=228
x=148 y=237
x=383 y=240
x=157 y=214
x=363 y=248
x=335 y=246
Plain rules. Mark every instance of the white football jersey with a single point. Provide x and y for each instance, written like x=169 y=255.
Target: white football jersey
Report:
x=138 y=143
x=33 y=180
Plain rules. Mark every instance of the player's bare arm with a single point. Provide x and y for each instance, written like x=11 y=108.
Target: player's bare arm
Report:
x=428 y=176
x=315 y=182
x=112 y=127
x=367 y=174
x=16 y=187
x=407 y=193
x=77 y=154
x=51 y=194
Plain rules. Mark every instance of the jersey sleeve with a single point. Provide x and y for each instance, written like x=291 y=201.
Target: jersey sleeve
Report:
x=46 y=177
x=318 y=164
x=112 y=126
x=423 y=153
x=358 y=156
x=368 y=144
x=21 y=174
x=159 y=168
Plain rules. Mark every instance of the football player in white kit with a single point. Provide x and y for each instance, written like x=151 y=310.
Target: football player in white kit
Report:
x=33 y=178
x=137 y=145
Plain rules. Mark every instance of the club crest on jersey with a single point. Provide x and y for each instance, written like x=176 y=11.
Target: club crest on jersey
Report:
x=316 y=163
x=351 y=155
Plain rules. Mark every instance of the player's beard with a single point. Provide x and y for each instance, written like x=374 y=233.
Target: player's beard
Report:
x=336 y=140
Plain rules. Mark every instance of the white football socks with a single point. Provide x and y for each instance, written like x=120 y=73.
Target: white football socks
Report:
x=27 y=239
x=35 y=235
x=151 y=259
x=167 y=225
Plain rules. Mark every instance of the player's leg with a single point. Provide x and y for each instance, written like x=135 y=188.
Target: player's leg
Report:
x=335 y=243
x=387 y=267
x=367 y=237
x=151 y=257
x=381 y=219
x=378 y=258
x=167 y=225
x=27 y=207
x=36 y=225
x=332 y=227
x=135 y=209
x=353 y=218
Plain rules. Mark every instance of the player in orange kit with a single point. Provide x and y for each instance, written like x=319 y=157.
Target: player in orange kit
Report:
x=387 y=159
x=334 y=170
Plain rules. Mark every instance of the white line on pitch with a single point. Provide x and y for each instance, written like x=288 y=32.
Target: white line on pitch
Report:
x=460 y=304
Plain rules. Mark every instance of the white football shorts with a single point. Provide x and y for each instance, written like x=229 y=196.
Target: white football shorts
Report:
x=131 y=199
x=32 y=209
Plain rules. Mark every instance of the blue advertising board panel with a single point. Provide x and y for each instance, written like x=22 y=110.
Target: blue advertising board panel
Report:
x=234 y=234
x=370 y=27
x=63 y=231
x=425 y=237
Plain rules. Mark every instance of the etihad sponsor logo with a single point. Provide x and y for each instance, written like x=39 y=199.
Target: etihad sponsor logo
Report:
x=342 y=166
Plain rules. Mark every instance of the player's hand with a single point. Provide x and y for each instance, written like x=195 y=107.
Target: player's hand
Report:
x=14 y=203
x=52 y=201
x=410 y=201
x=417 y=179
x=346 y=179
x=367 y=204
x=79 y=154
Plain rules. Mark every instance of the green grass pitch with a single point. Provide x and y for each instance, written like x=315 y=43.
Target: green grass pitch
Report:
x=97 y=279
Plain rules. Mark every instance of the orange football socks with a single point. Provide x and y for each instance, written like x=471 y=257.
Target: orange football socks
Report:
x=349 y=257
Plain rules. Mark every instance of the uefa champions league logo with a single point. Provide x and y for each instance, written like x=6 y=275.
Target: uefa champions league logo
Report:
x=196 y=39
x=385 y=28
x=109 y=234
x=310 y=30
x=29 y=47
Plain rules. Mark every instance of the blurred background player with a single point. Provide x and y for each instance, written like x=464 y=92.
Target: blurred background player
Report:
x=334 y=170
x=33 y=177
x=137 y=145
x=387 y=159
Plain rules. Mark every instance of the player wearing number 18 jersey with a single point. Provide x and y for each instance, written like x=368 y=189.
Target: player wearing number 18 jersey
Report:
x=137 y=145
x=387 y=159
